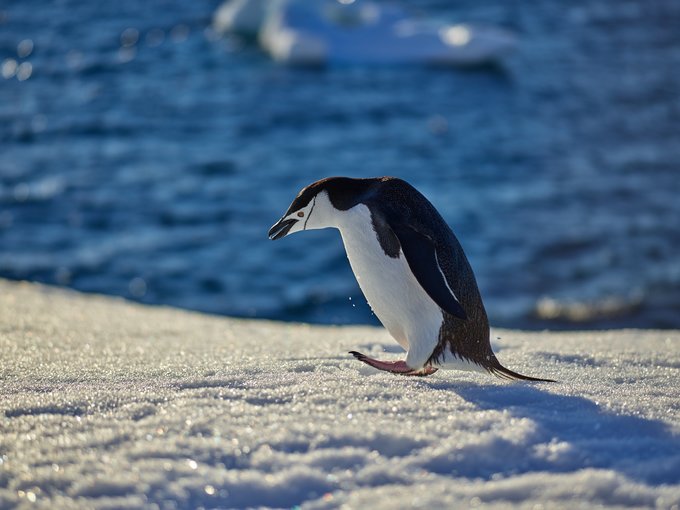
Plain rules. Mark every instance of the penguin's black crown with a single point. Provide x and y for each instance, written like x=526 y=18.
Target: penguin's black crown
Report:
x=343 y=192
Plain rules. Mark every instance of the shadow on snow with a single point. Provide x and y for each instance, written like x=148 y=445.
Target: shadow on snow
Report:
x=572 y=433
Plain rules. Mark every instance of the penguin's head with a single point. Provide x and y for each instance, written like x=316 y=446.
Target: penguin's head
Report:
x=317 y=205
x=311 y=209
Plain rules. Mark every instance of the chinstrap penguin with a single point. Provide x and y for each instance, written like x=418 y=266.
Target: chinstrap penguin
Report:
x=411 y=269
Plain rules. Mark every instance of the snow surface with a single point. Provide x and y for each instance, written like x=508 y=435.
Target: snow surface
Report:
x=107 y=404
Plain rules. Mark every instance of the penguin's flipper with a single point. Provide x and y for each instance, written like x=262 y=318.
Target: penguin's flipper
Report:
x=421 y=255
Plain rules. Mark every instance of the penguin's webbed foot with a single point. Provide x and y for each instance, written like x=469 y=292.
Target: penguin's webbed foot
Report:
x=423 y=372
x=396 y=367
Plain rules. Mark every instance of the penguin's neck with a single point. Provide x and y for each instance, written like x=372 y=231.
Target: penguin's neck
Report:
x=356 y=228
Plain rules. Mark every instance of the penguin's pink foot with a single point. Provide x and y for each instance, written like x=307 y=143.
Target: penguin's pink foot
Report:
x=423 y=372
x=396 y=367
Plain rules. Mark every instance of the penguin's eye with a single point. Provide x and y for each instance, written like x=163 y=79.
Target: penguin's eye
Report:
x=301 y=214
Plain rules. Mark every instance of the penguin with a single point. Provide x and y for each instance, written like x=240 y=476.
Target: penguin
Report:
x=411 y=269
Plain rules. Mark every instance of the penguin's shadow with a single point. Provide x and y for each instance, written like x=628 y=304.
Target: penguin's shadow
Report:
x=580 y=433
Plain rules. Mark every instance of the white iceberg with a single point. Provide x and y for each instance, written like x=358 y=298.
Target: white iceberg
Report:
x=302 y=32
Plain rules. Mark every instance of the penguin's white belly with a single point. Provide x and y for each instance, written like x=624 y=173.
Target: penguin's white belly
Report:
x=393 y=293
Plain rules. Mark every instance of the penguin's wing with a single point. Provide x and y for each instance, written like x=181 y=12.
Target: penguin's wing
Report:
x=421 y=254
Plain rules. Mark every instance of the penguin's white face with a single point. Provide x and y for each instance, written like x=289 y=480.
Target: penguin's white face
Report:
x=315 y=214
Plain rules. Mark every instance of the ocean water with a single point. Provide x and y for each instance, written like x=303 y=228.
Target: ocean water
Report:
x=142 y=155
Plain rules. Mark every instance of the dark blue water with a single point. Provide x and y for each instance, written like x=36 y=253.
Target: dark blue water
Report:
x=143 y=156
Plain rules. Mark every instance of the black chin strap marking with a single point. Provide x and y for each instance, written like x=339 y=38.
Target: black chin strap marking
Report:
x=304 y=227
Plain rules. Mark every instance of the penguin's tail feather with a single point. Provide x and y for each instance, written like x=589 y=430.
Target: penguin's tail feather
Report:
x=505 y=373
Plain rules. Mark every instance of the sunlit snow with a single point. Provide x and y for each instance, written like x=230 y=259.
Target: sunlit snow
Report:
x=106 y=404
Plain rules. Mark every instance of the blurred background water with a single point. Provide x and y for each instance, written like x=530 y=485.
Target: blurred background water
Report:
x=143 y=155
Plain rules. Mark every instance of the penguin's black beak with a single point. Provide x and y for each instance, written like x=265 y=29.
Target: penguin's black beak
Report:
x=281 y=228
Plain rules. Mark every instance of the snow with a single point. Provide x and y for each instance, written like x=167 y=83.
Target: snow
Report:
x=107 y=404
